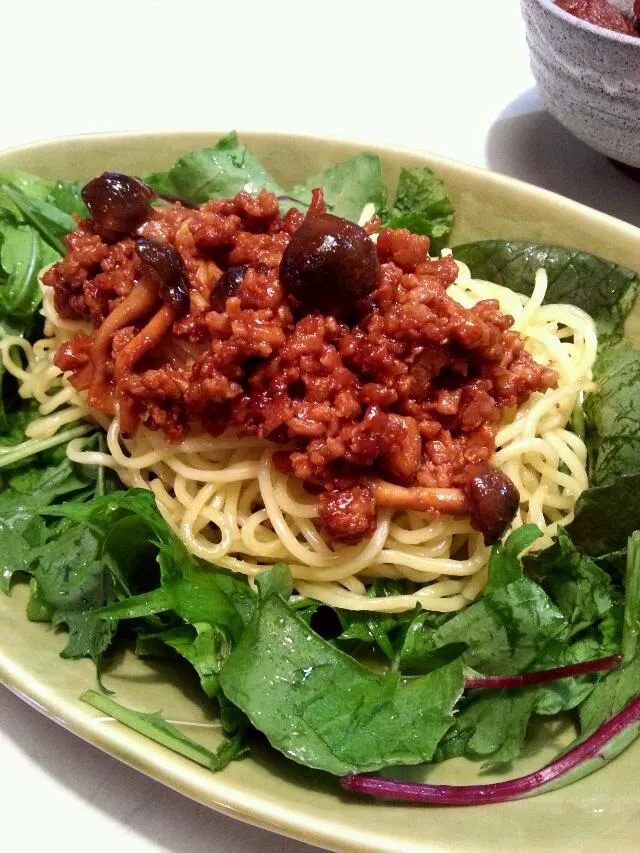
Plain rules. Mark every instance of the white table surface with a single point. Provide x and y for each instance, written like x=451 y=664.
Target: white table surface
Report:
x=451 y=78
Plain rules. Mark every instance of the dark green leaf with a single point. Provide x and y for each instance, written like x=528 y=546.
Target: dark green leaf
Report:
x=631 y=621
x=29 y=490
x=605 y=516
x=493 y=725
x=72 y=581
x=613 y=413
x=604 y=290
x=505 y=630
x=38 y=609
x=130 y=554
x=16 y=455
x=567 y=693
x=13 y=422
x=610 y=696
x=418 y=655
x=579 y=587
x=322 y=708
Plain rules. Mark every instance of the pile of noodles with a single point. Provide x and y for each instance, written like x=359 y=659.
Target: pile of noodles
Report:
x=232 y=507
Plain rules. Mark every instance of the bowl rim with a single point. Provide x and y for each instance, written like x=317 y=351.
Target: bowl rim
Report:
x=572 y=20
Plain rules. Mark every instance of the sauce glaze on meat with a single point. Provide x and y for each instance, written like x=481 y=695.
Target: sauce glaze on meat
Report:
x=603 y=14
x=394 y=402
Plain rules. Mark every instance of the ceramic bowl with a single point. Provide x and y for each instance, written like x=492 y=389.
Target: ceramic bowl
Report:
x=597 y=813
x=588 y=78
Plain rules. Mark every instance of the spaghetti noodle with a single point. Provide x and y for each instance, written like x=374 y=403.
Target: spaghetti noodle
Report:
x=233 y=507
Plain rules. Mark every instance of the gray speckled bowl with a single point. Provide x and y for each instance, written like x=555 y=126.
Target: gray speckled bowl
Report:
x=588 y=77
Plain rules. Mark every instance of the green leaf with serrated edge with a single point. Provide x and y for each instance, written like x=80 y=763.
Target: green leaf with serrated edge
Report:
x=155 y=727
x=422 y=206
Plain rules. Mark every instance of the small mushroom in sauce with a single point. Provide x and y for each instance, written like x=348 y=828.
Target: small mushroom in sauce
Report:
x=329 y=265
x=117 y=202
x=492 y=500
x=161 y=262
x=228 y=286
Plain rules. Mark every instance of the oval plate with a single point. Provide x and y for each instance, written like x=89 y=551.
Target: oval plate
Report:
x=265 y=789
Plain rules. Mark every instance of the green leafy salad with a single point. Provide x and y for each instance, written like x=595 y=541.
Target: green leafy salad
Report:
x=343 y=692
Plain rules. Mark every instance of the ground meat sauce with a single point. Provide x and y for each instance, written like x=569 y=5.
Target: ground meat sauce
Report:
x=604 y=14
x=393 y=399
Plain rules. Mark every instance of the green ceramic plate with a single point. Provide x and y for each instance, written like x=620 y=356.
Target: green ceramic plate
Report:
x=264 y=789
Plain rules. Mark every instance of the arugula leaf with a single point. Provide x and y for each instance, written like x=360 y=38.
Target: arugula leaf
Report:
x=214 y=604
x=17 y=454
x=21 y=529
x=23 y=253
x=68 y=579
x=66 y=196
x=26 y=183
x=205 y=646
x=38 y=610
x=72 y=582
x=218 y=172
x=194 y=590
x=423 y=206
x=322 y=708
x=33 y=221
x=155 y=727
x=51 y=223
x=348 y=186
x=371 y=628
x=603 y=289
x=385 y=631
x=419 y=653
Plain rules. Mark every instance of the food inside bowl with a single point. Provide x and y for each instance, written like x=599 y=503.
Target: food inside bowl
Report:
x=604 y=14
x=367 y=485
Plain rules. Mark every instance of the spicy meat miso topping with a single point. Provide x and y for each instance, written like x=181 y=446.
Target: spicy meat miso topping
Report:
x=604 y=14
x=381 y=389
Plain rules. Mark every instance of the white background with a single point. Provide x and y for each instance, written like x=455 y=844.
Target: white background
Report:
x=451 y=78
